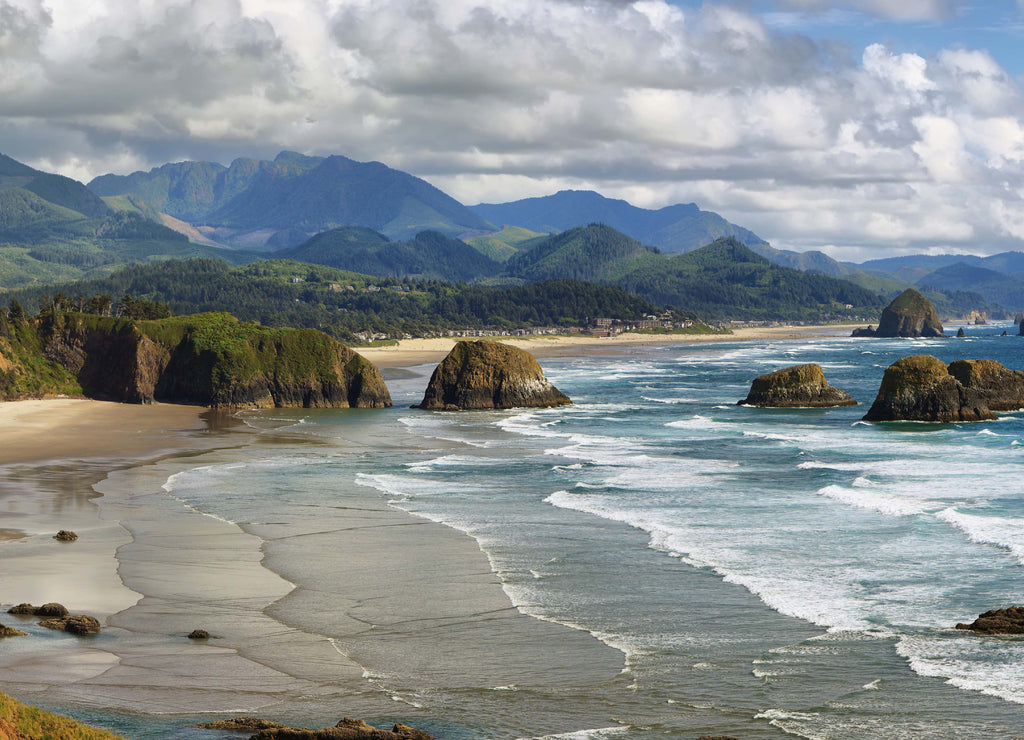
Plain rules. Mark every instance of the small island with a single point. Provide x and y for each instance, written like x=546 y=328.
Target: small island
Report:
x=799 y=386
x=489 y=375
x=923 y=388
x=909 y=315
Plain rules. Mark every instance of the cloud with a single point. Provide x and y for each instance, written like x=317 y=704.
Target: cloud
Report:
x=492 y=100
x=901 y=10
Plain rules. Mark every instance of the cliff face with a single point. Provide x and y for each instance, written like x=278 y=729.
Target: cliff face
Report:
x=799 y=386
x=922 y=388
x=909 y=315
x=489 y=375
x=209 y=360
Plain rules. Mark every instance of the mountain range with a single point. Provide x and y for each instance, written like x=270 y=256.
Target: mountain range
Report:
x=369 y=218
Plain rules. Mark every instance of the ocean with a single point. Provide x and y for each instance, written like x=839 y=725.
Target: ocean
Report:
x=679 y=565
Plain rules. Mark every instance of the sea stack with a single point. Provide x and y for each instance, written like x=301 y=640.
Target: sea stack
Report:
x=909 y=315
x=799 y=386
x=922 y=388
x=489 y=375
x=1008 y=621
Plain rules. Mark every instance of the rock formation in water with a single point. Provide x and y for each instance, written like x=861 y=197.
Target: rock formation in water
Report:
x=799 y=386
x=489 y=375
x=52 y=609
x=922 y=388
x=65 y=535
x=960 y=333
x=6 y=631
x=347 y=729
x=909 y=315
x=207 y=359
x=79 y=624
x=1008 y=621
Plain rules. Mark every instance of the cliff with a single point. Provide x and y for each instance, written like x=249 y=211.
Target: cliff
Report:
x=799 y=386
x=206 y=359
x=909 y=315
x=489 y=375
x=922 y=388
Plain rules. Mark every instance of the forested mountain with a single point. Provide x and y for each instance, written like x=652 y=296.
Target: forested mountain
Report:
x=991 y=285
x=428 y=254
x=289 y=293
x=597 y=253
x=677 y=228
x=54 y=228
x=280 y=203
x=727 y=280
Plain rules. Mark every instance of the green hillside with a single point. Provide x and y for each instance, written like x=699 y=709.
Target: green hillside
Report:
x=428 y=254
x=344 y=304
x=727 y=280
x=595 y=253
x=504 y=244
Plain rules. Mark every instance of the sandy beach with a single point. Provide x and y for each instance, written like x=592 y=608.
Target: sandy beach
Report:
x=409 y=352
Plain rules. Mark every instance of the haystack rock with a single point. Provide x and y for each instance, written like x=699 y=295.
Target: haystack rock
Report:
x=922 y=388
x=799 y=386
x=910 y=315
x=489 y=375
x=1008 y=621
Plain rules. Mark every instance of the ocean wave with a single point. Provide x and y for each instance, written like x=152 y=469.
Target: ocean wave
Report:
x=989 y=666
x=864 y=498
x=1003 y=532
x=595 y=734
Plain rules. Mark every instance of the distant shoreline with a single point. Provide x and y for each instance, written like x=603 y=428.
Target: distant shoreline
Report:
x=412 y=352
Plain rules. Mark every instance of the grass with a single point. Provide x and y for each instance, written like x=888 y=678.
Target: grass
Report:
x=36 y=724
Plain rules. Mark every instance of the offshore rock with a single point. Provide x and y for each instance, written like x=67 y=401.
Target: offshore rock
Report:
x=6 y=631
x=960 y=332
x=909 y=315
x=65 y=535
x=241 y=724
x=199 y=635
x=489 y=375
x=921 y=388
x=1008 y=621
x=799 y=386
x=52 y=609
x=347 y=729
x=1000 y=388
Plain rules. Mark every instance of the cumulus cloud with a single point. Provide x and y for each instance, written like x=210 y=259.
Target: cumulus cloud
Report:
x=806 y=143
x=903 y=10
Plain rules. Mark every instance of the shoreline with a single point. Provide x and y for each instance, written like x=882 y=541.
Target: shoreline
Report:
x=412 y=352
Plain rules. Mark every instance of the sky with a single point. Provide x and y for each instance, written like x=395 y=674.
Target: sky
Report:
x=863 y=128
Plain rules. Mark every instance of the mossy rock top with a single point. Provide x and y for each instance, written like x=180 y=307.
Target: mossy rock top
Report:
x=489 y=375
x=799 y=386
x=910 y=315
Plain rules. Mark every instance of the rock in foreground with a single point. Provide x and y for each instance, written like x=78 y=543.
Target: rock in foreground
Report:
x=1009 y=621
x=799 y=386
x=489 y=375
x=922 y=388
x=909 y=315
x=347 y=729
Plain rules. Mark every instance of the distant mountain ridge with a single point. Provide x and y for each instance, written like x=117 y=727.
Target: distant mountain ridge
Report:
x=280 y=203
x=676 y=228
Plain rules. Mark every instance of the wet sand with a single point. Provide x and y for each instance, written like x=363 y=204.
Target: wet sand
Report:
x=407 y=592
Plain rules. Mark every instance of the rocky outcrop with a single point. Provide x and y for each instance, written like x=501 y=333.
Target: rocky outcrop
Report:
x=80 y=624
x=241 y=724
x=922 y=388
x=489 y=375
x=65 y=535
x=347 y=729
x=199 y=635
x=52 y=609
x=960 y=333
x=1000 y=388
x=210 y=360
x=799 y=386
x=909 y=315
x=6 y=631
x=1008 y=621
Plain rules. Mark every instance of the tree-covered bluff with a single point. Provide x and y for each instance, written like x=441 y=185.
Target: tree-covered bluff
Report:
x=345 y=304
x=206 y=359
